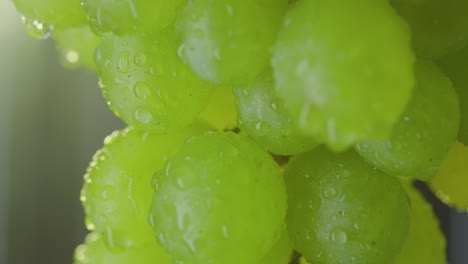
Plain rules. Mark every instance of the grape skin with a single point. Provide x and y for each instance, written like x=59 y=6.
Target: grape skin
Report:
x=220 y=112
x=265 y=118
x=426 y=242
x=76 y=46
x=146 y=85
x=344 y=69
x=417 y=145
x=341 y=210
x=438 y=27
x=117 y=192
x=220 y=199
x=131 y=16
x=94 y=251
x=228 y=41
x=451 y=181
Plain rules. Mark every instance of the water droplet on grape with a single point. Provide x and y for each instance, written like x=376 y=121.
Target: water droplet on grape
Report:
x=142 y=90
x=329 y=193
x=37 y=29
x=338 y=236
x=224 y=229
x=123 y=63
x=143 y=116
x=140 y=59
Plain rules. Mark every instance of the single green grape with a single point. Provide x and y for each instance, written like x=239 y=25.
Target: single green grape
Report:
x=40 y=17
x=452 y=179
x=117 y=192
x=264 y=117
x=344 y=69
x=281 y=252
x=342 y=210
x=220 y=199
x=438 y=27
x=131 y=16
x=220 y=111
x=228 y=41
x=426 y=242
x=76 y=46
x=94 y=251
x=426 y=131
x=456 y=67
x=145 y=83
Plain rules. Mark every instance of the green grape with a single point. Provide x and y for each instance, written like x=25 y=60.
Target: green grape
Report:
x=76 y=46
x=281 y=252
x=145 y=83
x=228 y=41
x=220 y=111
x=438 y=27
x=94 y=251
x=344 y=69
x=117 y=192
x=264 y=117
x=41 y=16
x=341 y=210
x=220 y=199
x=452 y=179
x=421 y=139
x=456 y=68
x=426 y=242
x=131 y=16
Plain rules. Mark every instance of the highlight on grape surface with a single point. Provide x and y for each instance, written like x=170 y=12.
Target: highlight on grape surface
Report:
x=269 y=131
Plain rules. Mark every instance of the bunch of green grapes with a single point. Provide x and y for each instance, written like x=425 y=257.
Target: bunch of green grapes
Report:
x=269 y=131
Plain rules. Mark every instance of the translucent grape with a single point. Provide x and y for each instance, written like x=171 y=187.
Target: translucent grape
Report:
x=46 y=13
x=456 y=68
x=94 y=251
x=221 y=110
x=341 y=210
x=220 y=199
x=424 y=134
x=76 y=46
x=426 y=242
x=131 y=16
x=438 y=27
x=228 y=41
x=281 y=252
x=452 y=179
x=117 y=192
x=344 y=69
x=145 y=83
x=265 y=118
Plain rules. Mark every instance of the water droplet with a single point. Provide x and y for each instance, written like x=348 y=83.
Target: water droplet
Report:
x=71 y=57
x=37 y=29
x=229 y=10
x=142 y=90
x=140 y=59
x=143 y=116
x=124 y=43
x=224 y=229
x=356 y=226
x=338 y=237
x=216 y=54
x=123 y=63
x=329 y=193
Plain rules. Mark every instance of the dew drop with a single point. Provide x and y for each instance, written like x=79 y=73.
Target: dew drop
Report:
x=143 y=116
x=140 y=59
x=71 y=57
x=329 y=193
x=142 y=90
x=123 y=63
x=37 y=29
x=224 y=229
x=338 y=237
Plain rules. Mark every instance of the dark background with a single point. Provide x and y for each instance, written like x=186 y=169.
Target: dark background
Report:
x=52 y=120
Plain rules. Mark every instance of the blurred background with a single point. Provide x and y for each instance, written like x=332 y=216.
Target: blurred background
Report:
x=52 y=120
